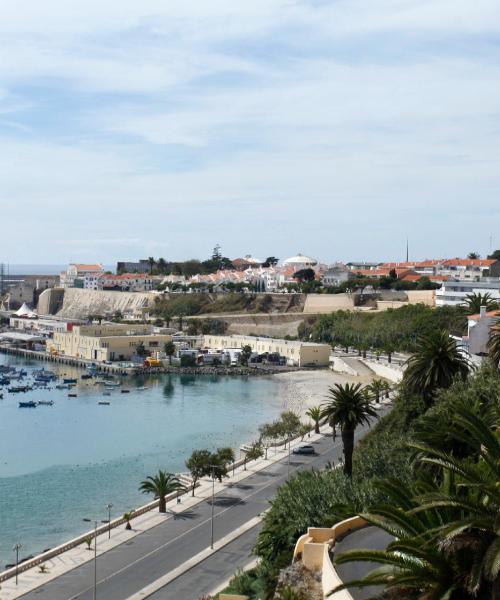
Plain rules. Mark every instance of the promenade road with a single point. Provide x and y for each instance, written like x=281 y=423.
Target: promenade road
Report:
x=128 y=568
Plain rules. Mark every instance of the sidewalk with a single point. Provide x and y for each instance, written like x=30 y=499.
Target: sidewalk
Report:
x=59 y=565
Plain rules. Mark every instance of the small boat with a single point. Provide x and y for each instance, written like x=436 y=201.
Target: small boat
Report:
x=106 y=394
x=104 y=402
x=125 y=391
x=4 y=381
x=70 y=380
x=142 y=388
x=87 y=376
x=72 y=396
x=19 y=388
x=99 y=381
x=46 y=402
x=27 y=404
x=112 y=383
x=62 y=386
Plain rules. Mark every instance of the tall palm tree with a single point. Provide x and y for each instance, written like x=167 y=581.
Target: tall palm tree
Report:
x=447 y=534
x=160 y=485
x=494 y=344
x=348 y=407
x=473 y=302
x=315 y=413
x=152 y=263
x=435 y=364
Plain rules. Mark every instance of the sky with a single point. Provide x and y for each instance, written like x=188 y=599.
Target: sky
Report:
x=333 y=128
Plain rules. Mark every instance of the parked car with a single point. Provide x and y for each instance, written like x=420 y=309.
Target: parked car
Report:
x=304 y=449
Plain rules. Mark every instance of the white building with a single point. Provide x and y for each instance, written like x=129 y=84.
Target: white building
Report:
x=478 y=330
x=79 y=275
x=300 y=262
x=454 y=293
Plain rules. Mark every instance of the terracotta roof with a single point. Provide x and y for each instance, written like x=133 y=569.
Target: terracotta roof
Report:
x=469 y=262
x=418 y=276
x=491 y=313
x=83 y=267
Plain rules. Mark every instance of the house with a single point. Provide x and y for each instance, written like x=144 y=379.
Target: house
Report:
x=334 y=276
x=478 y=330
x=127 y=282
x=75 y=275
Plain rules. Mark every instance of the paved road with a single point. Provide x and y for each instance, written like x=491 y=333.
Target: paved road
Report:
x=368 y=538
x=129 y=567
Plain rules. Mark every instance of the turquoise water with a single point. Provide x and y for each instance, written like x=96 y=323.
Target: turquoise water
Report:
x=60 y=464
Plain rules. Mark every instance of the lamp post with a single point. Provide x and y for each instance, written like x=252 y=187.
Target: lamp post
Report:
x=94 y=594
x=109 y=506
x=213 y=467
x=16 y=549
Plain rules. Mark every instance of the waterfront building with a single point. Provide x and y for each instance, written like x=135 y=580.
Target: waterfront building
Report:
x=296 y=353
x=126 y=282
x=454 y=293
x=106 y=342
x=81 y=275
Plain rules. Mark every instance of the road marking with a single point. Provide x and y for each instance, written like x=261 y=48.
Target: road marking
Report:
x=152 y=552
x=163 y=581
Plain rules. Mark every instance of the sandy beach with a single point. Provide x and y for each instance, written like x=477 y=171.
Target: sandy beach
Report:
x=303 y=389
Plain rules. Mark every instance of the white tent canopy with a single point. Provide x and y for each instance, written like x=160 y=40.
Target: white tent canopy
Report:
x=25 y=311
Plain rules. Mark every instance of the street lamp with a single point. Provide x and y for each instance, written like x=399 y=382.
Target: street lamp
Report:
x=16 y=549
x=94 y=595
x=109 y=506
x=213 y=467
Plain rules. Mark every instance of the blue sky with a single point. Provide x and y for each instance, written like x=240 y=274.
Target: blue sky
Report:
x=130 y=129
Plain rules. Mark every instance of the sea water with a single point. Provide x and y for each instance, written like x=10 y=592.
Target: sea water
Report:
x=64 y=463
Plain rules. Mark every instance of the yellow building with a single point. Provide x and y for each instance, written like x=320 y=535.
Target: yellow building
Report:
x=109 y=341
x=300 y=354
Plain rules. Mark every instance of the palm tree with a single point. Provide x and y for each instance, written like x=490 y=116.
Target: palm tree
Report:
x=474 y=301
x=494 y=344
x=376 y=387
x=348 y=408
x=435 y=364
x=447 y=534
x=315 y=413
x=160 y=485
x=152 y=263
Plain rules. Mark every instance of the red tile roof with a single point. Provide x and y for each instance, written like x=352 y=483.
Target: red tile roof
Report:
x=83 y=267
x=469 y=262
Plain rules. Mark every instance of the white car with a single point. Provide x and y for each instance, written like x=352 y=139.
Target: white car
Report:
x=304 y=449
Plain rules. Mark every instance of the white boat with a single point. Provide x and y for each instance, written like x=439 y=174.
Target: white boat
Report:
x=112 y=383
x=142 y=388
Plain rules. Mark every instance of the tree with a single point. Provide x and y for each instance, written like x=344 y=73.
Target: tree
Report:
x=127 y=517
x=348 y=408
x=169 y=349
x=474 y=302
x=246 y=353
x=253 y=453
x=304 y=275
x=495 y=255
x=376 y=387
x=447 y=540
x=141 y=350
x=160 y=485
x=393 y=274
x=152 y=263
x=290 y=424
x=198 y=465
x=219 y=461
x=435 y=364
x=271 y=261
x=473 y=255
x=315 y=413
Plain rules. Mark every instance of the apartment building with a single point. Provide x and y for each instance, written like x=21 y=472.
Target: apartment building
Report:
x=79 y=275
x=106 y=342
x=453 y=293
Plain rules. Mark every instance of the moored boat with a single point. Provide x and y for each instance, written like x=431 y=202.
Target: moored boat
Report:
x=46 y=402
x=70 y=380
x=27 y=404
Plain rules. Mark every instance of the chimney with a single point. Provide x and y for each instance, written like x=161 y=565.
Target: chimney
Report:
x=482 y=311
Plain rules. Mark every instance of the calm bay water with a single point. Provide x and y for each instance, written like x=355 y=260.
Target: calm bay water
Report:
x=62 y=463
